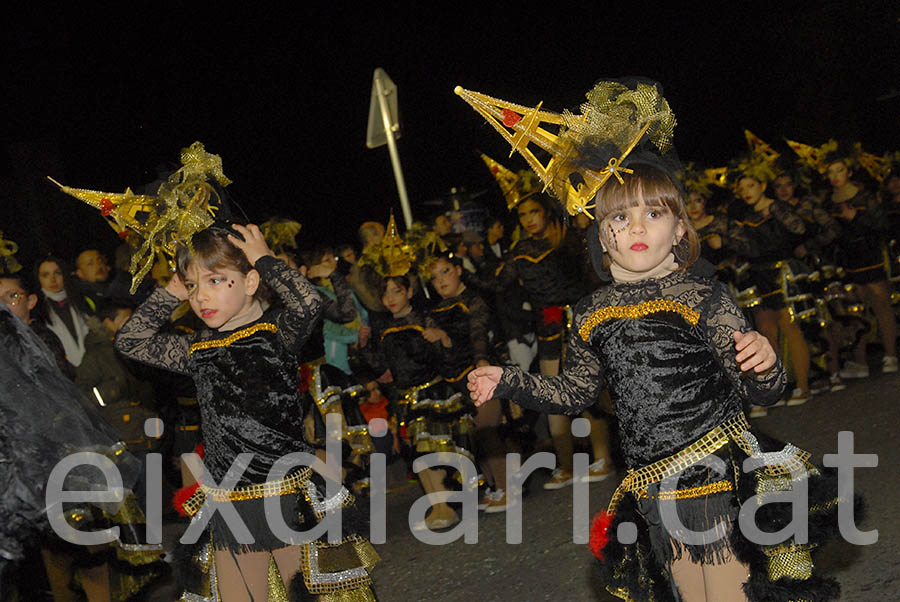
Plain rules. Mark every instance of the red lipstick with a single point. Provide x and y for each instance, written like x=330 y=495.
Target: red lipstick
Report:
x=638 y=246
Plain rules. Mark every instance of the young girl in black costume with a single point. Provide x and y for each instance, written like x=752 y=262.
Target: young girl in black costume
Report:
x=466 y=317
x=678 y=358
x=245 y=366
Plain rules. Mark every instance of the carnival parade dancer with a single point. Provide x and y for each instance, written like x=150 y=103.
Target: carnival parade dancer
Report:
x=678 y=358
x=245 y=367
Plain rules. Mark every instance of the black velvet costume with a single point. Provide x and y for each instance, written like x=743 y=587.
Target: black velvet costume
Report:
x=466 y=320
x=432 y=415
x=552 y=280
x=859 y=246
x=247 y=390
x=766 y=240
x=665 y=350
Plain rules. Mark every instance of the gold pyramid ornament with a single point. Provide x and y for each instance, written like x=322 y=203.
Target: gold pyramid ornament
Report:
x=813 y=156
x=394 y=251
x=613 y=111
x=181 y=208
x=878 y=167
x=760 y=148
x=516 y=187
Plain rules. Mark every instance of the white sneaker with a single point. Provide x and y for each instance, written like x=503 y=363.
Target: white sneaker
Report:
x=798 y=398
x=598 y=471
x=758 y=412
x=559 y=479
x=485 y=500
x=889 y=364
x=836 y=383
x=499 y=503
x=854 y=370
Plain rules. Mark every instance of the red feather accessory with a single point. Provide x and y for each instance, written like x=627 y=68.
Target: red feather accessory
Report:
x=599 y=532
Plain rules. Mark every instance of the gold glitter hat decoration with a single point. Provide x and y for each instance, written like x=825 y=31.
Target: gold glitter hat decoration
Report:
x=8 y=263
x=280 y=233
x=699 y=180
x=760 y=164
x=398 y=255
x=616 y=117
x=516 y=187
x=813 y=156
x=180 y=209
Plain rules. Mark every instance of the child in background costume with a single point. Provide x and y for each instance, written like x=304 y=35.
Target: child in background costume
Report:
x=245 y=366
x=678 y=358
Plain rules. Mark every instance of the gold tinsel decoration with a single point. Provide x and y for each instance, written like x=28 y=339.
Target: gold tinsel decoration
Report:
x=181 y=208
x=613 y=114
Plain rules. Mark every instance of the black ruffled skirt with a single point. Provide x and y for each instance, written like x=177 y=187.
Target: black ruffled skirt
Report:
x=638 y=567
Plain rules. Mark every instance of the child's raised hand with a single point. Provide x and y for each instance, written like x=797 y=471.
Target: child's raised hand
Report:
x=754 y=352
x=254 y=245
x=482 y=382
x=176 y=288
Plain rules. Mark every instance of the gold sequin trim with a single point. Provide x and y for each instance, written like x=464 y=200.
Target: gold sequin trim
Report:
x=732 y=429
x=790 y=560
x=459 y=304
x=640 y=310
x=693 y=492
x=400 y=329
x=537 y=259
x=289 y=485
x=235 y=336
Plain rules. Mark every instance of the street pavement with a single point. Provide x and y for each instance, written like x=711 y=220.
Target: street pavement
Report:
x=547 y=565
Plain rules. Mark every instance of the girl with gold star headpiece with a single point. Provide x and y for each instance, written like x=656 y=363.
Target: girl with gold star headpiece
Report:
x=766 y=232
x=680 y=360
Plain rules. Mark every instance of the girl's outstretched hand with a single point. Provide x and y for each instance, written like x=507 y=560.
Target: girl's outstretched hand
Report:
x=254 y=245
x=754 y=352
x=483 y=382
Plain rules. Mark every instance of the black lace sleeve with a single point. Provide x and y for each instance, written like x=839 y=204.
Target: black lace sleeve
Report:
x=737 y=240
x=720 y=317
x=479 y=325
x=575 y=389
x=302 y=303
x=829 y=229
x=140 y=338
x=342 y=309
x=788 y=218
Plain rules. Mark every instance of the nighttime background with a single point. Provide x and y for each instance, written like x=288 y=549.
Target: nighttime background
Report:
x=101 y=101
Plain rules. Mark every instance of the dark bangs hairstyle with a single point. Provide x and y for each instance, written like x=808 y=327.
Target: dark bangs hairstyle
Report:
x=653 y=187
x=212 y=250
x=402 y=281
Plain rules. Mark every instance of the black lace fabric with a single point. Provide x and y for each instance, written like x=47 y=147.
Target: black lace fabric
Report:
x=665 y=349
x=246 y=378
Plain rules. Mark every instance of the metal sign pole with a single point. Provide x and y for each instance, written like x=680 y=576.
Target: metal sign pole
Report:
x=392 y=147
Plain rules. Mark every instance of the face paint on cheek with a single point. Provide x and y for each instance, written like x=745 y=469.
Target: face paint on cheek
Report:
x=231 y=284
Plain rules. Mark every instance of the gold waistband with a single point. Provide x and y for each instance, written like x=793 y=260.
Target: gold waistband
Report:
x=285 y=486
x=638 y=480
x=461 y=375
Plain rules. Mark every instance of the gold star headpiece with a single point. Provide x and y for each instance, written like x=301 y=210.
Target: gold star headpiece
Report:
x=516 y=187
x=180 y=209
x=759 y=164
x=615 y=116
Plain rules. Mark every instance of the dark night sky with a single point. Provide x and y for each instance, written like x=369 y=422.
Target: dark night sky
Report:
x=99 y=102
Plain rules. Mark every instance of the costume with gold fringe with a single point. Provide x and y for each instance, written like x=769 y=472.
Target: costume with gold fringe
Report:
x=432 y=412
x=664 y=348
x=250 y=410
